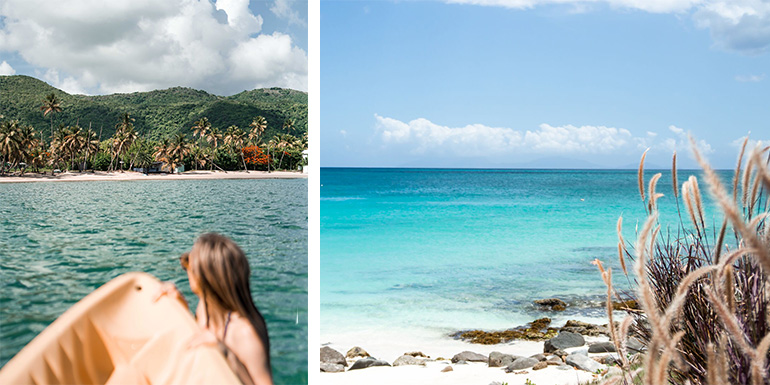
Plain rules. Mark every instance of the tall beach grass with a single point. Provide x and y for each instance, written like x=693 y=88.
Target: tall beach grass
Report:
x=703 y=290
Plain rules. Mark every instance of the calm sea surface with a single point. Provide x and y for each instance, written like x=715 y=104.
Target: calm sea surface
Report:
x=443 y=250
x=60 y=241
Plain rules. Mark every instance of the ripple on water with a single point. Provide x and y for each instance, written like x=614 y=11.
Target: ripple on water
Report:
x=54 y=254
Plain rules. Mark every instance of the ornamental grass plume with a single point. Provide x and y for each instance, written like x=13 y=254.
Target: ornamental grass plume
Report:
x=705 y=296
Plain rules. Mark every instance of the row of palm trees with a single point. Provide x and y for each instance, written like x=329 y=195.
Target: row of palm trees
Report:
x=74 y=146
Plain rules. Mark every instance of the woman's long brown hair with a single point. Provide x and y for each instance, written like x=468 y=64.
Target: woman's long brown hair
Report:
x=223 y=274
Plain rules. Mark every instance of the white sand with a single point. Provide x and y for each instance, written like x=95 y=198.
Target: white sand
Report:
x=131 y=176
x=388 y=346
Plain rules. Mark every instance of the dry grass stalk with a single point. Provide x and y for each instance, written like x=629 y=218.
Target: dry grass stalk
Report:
x=731 y=211
x=673 y=177
x=720 y=241
x=762 y=171
x=641 y=175
x=698 y=199
x=617 y=336
x=738 y=169
x=717 y=375
x=727 y=291
x=746 y=180
x=653 y=196
x=621 y=246
x=688 y=204
x=729 y=288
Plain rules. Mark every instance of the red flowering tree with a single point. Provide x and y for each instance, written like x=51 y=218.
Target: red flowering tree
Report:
x=255 y=158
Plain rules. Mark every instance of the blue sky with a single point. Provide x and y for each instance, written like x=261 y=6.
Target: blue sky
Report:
x=541 y=83
x=103 y=47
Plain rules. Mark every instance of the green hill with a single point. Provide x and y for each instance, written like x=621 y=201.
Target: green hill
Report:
x=158 y=113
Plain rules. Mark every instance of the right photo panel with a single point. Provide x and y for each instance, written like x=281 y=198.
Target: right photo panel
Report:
x=544 y=192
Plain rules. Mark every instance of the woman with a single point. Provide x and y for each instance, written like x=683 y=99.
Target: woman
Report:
x=218 y=272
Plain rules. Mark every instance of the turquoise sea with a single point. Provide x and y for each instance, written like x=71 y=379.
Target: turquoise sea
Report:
x=445 y=250
x=59 y=241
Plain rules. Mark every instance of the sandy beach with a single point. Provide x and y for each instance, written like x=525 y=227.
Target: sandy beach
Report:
x=134 y=176
x=388 y=346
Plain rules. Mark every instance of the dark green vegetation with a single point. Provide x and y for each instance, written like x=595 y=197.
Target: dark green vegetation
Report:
x=157 y=113
x=125 y=141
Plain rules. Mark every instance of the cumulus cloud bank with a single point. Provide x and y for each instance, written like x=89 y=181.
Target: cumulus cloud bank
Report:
x=139 y=45
x=738 y=25
x=423 y=137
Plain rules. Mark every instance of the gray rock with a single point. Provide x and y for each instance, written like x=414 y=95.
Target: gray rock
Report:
x=583 y=362
x=469 y=356
x=562 y=341
x=635 y=346
x=408 y=360
x=538 y=356
x=609 y=359
x=585 y=328
x=461 y=362
x=447 y=369
x=553 y=303
x=368 y=362
x=565 y=367
x=357 y=351
x=602 y=347
x=416 y=354
x=497 y=359
x=521 y=363
x=331 y=368
x=555 y=359
x=331 y=356
x=560 y=353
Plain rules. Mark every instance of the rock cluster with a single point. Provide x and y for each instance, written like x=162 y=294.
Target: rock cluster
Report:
x=554 y=304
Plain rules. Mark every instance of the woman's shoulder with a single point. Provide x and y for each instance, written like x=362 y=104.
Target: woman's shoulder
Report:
x=241 y=333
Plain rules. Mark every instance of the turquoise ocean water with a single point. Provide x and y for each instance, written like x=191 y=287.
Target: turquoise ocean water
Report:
x=444 y=250
x=60 y=241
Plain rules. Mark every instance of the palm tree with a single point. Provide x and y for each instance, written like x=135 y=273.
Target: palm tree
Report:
x=213 y=137
x=179 y=148
x=123 y=138
x=28 y=142
x=51 y=104
x=89 y=144
x=57 y=148
x=162 y=152
x=9 y=142
x=283 y=142
x=236 y=139
x=200 y=129
x=288 y=125
x=258 y=126
x=74 y=140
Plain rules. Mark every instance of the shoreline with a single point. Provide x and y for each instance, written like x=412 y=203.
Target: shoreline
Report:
x=390 y=345
x=138 y=176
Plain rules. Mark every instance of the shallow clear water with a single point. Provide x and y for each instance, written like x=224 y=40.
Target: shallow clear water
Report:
x=60 y=241
x=455 y=249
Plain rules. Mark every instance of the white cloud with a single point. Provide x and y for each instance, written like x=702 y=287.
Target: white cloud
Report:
x=750 y=78
x=343 y=133
x=751 y=144
x=737 y=25
x=423 y=137
x=657 y=6
x=138 y=45
x=284 y=10
x=6 y=69
x=681 y=142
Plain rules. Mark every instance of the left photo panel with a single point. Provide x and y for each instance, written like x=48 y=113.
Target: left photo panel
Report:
x=154 y=192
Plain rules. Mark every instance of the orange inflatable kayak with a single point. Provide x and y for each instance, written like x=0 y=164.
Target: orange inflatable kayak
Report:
x=118 y=335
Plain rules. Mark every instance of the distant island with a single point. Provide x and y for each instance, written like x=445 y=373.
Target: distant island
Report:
x=44 y=129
